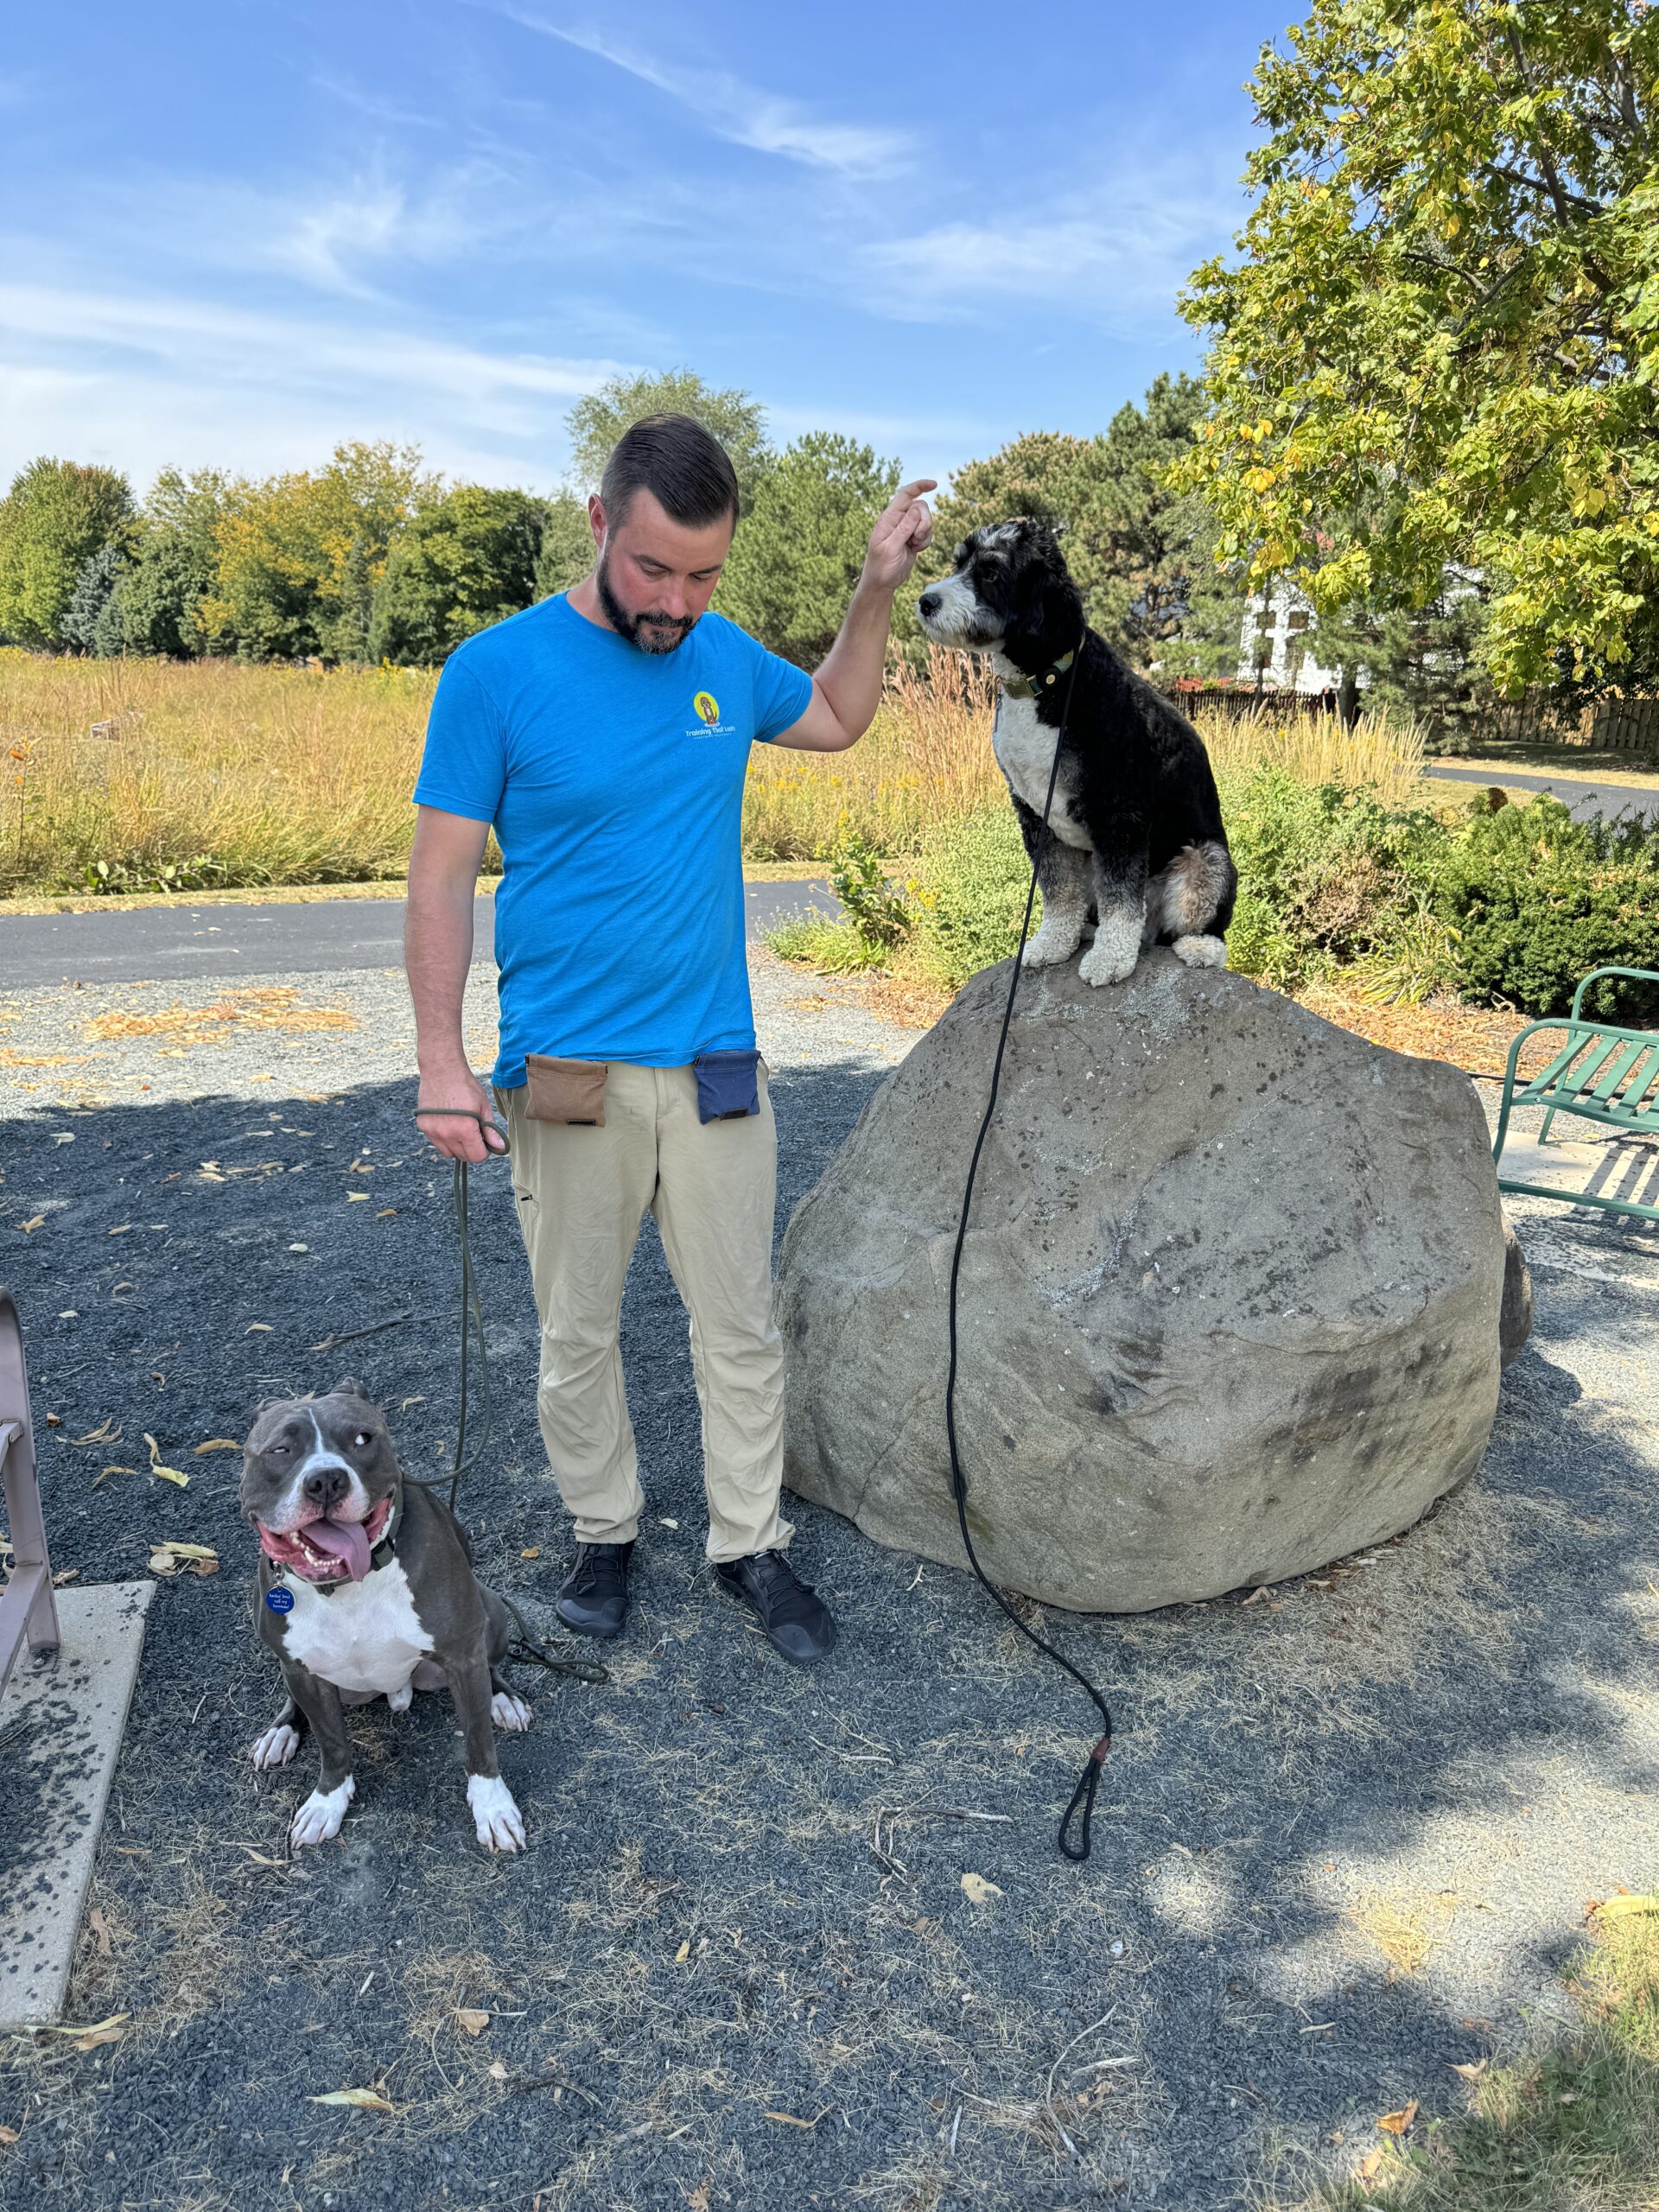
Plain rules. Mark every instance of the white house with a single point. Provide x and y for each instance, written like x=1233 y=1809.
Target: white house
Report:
x=1273 y=643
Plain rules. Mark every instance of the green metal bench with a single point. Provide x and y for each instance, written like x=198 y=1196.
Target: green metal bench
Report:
x=1602 y=1072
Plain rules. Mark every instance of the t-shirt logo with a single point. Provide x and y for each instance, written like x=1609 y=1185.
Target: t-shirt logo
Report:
x=706 y=707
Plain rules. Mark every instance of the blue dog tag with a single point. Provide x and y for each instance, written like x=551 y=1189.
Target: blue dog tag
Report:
x=280 y=1600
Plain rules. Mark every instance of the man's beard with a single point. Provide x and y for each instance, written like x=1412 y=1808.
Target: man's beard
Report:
x=652 y=634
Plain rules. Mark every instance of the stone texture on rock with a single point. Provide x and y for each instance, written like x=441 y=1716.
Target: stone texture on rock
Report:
x=1514 y=1319
x=1229 y=1296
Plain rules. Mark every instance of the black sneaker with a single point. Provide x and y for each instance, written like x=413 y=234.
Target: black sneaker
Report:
x=594 y=1597
x=797 y=1620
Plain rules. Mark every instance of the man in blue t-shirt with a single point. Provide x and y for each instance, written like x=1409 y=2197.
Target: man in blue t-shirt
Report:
x=605 y=735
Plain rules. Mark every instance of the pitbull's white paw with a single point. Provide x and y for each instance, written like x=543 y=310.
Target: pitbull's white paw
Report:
x=320 y=1817
x=1200 y=951
x=508 y=1710
x=498 y=1819
x=276 y=1746
x=400 y=1701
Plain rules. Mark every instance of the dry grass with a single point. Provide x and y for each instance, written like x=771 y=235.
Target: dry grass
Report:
x=229 y=775
x=1386 y=756
x=274 y=1007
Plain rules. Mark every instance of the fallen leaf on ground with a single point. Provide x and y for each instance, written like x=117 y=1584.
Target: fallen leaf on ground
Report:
x=1256 y=1595
x=97 y=2029
x=109 y=2033
x=352 y=1197
x=978 y=1889
x=262 y=1327
x=683 y=1953
x=408 y=1402
x=789 y=2121
x=121 y=1231
x=9 y=2135
x=533 y=1551
x=68 y=1574
x=105 y=1432
x=498 y=2071
x=100 y=1927
x=364 y=2100
x=1368 y=2165
x=167 y=1474
x=168 y=1558
x=1397 y=2123
x=30 y=1227
x=1619 y=1908
x=218 y=1444
x=1472 y=2071
x=470 y=2018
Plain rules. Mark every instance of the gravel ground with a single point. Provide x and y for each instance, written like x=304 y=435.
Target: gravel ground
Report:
x=1345 y=1838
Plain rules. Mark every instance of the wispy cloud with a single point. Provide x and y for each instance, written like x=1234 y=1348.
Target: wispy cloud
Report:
x=744 y=114
x=1114 y=255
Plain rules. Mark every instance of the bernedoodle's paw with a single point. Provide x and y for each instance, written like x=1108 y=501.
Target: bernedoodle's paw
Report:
x=499 y=1824
x=1200 y=951
x=508 y=1710
x=320 y=1817
x=1105 y=963
x=1049 y=948
x=276 y=1746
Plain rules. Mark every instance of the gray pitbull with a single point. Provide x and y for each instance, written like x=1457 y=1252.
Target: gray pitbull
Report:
x=367 y=1590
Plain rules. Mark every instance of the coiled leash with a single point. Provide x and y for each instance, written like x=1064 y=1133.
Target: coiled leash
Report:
x=558 y=1659
x=1083 y=1797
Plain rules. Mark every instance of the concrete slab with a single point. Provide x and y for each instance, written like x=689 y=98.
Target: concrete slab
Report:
x=1610 y=1166
x=55 y=1782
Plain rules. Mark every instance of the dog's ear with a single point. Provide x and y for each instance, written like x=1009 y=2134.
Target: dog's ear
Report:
x=1046 y=614
x=348 y=1386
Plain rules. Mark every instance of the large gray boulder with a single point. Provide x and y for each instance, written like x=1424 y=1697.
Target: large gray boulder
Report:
x=1230 y=1299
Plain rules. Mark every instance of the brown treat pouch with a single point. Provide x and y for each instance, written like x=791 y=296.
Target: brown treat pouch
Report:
x=572 y=1091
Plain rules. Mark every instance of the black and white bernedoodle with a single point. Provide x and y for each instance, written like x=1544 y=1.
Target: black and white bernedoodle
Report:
x=375 y=1597
x=1134 y=841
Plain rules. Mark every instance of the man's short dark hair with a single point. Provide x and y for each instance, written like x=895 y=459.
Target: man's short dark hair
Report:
x=683 y=466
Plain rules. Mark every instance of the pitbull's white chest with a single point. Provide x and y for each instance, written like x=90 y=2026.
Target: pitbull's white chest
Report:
x=365 y=1636
x=1025 y=752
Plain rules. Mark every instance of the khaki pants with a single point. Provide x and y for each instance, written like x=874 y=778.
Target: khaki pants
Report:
x=581 y=1194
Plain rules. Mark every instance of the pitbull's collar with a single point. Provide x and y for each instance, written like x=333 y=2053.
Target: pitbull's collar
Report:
x=383 y=1552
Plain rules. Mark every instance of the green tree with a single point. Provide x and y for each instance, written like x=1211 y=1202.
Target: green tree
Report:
x=567 y=549
x=174 y=564
x=599 y=418
x=299 y=557
x=466 y=560
x=1424 y=661
x=1143 y=555
x=91 y=620
x=799 y=548
x=1440 y=343
x=55 y=517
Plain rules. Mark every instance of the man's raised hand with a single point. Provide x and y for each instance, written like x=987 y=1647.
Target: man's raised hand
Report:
x=902 y=529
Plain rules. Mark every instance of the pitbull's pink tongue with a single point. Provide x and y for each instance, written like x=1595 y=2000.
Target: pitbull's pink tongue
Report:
x=343 y=1541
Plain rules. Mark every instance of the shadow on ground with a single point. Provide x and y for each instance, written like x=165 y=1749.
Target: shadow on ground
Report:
x=705 y=1987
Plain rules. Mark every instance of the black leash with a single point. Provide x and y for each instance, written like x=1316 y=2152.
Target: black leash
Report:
x=1083 y=1797
x=557 y=1658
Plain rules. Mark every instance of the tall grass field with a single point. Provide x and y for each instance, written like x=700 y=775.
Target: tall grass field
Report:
x=121 y=775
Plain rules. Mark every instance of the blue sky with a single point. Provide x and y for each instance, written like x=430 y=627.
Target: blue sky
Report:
x=235 y=233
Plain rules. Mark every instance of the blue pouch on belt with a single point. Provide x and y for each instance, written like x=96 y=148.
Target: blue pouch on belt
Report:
x=727 y=1085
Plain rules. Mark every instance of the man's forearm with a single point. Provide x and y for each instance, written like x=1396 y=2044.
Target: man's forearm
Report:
x=851 y=678
x=437 y=953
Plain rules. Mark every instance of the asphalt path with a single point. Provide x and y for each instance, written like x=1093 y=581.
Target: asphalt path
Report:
x=1586 y=800
x=182 y=941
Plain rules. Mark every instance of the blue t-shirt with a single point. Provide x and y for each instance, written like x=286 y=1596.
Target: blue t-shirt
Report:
x=614 y=781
